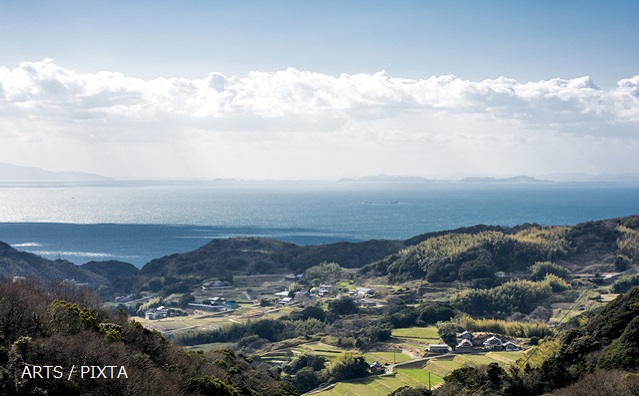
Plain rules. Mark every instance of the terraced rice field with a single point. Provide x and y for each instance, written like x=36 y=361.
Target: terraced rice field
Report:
x=320 y=349
x=418 y=377
x=178 y=322
x=385 y=357
x=442 y=367
x=277 y=356
x=505 y=357
x=370 y=386
x=209 y=347
x=423 y=333
x=383 y=385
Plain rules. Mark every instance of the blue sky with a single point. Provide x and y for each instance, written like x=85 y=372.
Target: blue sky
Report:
x=299 y=82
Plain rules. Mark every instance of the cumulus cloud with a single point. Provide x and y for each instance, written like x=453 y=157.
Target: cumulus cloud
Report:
x=295 y=100
x=42 y=102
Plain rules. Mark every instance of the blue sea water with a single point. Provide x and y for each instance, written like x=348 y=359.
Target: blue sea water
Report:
x=138 y=221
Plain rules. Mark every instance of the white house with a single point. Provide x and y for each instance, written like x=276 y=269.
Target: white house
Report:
x=364 y=291
x=493 y=342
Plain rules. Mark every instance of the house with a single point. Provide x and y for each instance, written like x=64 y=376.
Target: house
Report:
x=493 y=343
x=437 y=348
x=124 y=299
x=377 y=368
x=363 y=303
x=290 y=278
x=364 y=292
x=466 y=335
x=216 y=301
x=324 y=290
x=509 y=346
x=215 y=284
x=285 y=300
x=156 y=313
x=465 y=343
x=304 y=297
x=283 y=293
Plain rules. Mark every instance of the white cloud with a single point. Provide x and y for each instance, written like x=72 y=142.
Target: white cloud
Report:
x=47 y=103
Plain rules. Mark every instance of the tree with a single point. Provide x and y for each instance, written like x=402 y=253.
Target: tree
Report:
x=348 y=366
x=539 y=270
x=323 y=273
x=448 y=332
x=211 y=386
x=185 y=300
x=342 y=306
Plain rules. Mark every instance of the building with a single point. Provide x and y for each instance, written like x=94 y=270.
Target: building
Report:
x=156 y=313
x=377 y=368
x=216 y=301
x=510 y=346
x=363 y=303
x=466 y=335
x=215 y=284
x=285 y=301
x=364 y=292
x=324 y=290
x=437 y=348
x=493 y=343
x=464 y=343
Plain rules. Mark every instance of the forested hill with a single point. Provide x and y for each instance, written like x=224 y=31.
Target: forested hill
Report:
x=63 y=327
x=477 y=255
x=472 y=255
x=264 y=256
x=16 y=263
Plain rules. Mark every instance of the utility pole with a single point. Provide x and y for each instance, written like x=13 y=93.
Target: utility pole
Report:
x=429 y=380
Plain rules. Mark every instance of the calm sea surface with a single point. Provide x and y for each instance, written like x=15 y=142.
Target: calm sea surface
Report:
x=138 y=221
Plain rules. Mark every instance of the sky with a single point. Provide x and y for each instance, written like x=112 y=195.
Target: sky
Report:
x=319 y=90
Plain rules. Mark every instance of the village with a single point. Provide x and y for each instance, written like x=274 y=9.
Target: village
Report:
x=415 y=356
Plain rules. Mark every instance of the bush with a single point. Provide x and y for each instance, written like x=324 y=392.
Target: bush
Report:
x=347 y=366
x=539 y=270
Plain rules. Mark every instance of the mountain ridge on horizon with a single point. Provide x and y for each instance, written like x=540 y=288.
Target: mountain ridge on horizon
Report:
x=20 y=173
x=11 y=172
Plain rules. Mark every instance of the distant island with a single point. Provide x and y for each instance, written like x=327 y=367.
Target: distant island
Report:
x=9 y=172
x=514 y=179
x=19 y=173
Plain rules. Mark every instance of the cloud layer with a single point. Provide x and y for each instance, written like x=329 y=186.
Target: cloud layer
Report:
x=45 y=102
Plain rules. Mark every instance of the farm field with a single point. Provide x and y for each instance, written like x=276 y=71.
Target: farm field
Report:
x=422 y=333
x=506 y=357
x=386 y=357
x=320 y=349
x=369 y=386
x=209 y=347
x=383 y=385
x=416 y=376
x=179 y=322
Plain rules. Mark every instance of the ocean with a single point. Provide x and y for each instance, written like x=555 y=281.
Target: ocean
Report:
x=138 y=221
